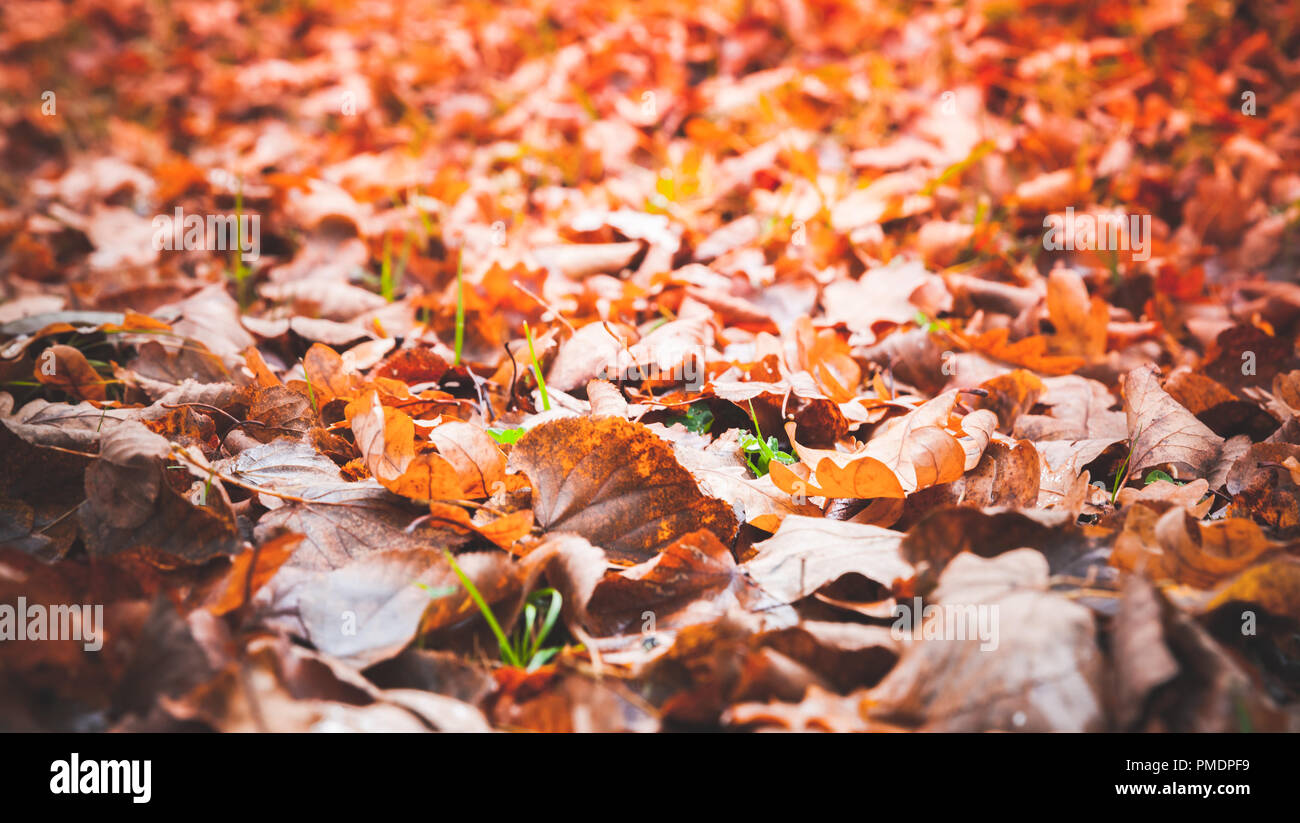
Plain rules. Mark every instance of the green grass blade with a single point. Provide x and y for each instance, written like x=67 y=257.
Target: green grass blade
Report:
x=311 y=390
x=537 y=371
x=386 y=269
x=503 y=643
x=542 y=658
x=552 y=614
x=527 y=633
x=460 y=306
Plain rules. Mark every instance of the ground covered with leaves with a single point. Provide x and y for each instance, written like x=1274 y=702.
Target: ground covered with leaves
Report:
x=650 y=365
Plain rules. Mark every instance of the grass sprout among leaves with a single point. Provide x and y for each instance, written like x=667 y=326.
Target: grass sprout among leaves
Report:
x=759 y=453
x=525 y=648
x=697 y=419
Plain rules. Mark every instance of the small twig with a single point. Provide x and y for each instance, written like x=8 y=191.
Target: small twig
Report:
x=604 y=324
x=238 y=424
x=544 y=305
x=1088 y=592
x=485 y=399
x=177 y=451
x=422 y=519
x=652 y=401
x=69 y=451
x=57 y=520
x=514 y=376
x=227 y=414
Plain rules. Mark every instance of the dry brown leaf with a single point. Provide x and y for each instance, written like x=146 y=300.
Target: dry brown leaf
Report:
x=1028 y=662
x=1080 y=410
x=253 y=568
x=722 y=473
x=616 y=484
x=807 y=552
x=386 y=439
x=1162 y=432
x=473 y=455
x=1080 y=321
x=66 y=369
x=693 y=581
x=1273 y=586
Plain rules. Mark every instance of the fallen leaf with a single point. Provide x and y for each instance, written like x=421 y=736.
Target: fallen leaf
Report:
x=1162 y=432
x=1030 y=663
x=616 y=484
x=806 y=553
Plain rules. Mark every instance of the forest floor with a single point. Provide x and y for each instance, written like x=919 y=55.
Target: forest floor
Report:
x=590 y=366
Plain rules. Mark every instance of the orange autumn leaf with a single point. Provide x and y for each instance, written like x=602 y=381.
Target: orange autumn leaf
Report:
x=386 y=439
x=253 y=569
x=1029 y=352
